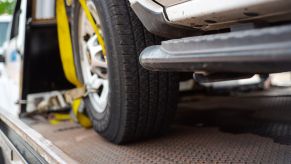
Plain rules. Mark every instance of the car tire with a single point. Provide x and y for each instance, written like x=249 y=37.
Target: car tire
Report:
x=141 y=104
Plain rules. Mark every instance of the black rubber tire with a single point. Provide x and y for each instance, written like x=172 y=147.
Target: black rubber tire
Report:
x=141 y=103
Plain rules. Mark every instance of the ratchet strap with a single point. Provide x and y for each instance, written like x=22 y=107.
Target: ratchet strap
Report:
x=59 y=100
x=65 y=40
x=67 y=57
x=65 y=44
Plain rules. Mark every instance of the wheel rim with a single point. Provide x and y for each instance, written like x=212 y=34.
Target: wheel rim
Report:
x=93 y=63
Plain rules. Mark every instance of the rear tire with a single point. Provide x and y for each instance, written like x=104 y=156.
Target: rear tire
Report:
x=141 y=104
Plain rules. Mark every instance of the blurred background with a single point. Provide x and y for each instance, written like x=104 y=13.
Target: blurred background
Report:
x=6 y=11
x=9 y=89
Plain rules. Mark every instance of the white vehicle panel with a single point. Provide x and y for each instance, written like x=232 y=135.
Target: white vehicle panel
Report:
x=168 y=3
x=216 y=14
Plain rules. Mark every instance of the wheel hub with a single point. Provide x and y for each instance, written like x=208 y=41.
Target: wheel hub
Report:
x=93 y=63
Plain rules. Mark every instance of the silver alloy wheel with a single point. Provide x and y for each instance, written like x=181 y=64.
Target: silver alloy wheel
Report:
x=93 y=63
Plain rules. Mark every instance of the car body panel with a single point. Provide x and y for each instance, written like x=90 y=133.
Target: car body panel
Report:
x=209 y=15
x=154 y=20
x=218 y=14
x=168 y=3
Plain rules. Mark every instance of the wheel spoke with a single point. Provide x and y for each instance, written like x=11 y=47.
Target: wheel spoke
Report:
x=93 y=46
x=95 y=82
x=98 y=63
x=105 y=91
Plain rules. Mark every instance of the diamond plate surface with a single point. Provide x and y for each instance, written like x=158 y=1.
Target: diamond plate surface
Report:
x=207 y=130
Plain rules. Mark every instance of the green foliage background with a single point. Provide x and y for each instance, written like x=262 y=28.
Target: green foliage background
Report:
x=6 y=6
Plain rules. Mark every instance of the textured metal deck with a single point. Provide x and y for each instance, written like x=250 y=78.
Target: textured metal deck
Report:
x=207 y=130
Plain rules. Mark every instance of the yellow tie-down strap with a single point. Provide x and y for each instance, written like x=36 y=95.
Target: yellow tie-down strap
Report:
x=66 y=51
x=56 y=118
x=65 y=44
x=73 y=97
x=75 y=115
x=78 y=108
x=94 y=25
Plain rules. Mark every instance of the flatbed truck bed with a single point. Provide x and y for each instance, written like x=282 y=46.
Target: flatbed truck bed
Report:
x=237 y=129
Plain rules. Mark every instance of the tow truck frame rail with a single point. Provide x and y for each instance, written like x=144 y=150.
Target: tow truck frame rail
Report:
x=21 y=143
